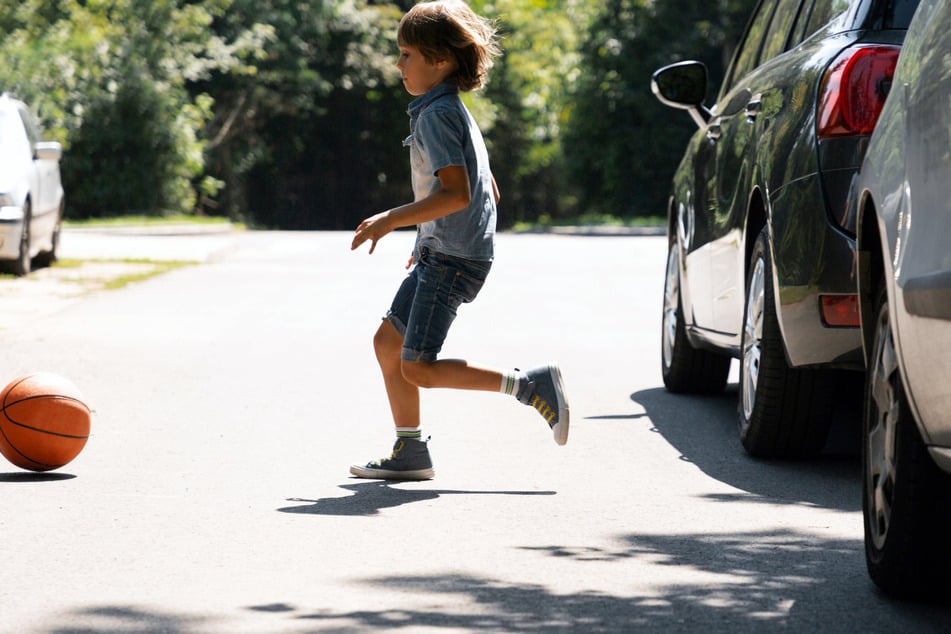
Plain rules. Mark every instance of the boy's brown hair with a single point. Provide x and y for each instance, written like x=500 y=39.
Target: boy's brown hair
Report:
x=450 y=30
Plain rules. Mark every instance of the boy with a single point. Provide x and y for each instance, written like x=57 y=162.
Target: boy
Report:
x=444 y=48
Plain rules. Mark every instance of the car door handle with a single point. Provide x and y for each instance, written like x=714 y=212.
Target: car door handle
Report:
x=753 y=108
x=714 y=131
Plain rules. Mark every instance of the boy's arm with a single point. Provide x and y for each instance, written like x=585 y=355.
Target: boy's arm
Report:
x=452 y=195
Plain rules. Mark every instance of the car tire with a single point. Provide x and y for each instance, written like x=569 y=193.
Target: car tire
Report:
x=685 y=369
x=783 y=412
x=906 y=498
x=47 y=258
x=21 y=265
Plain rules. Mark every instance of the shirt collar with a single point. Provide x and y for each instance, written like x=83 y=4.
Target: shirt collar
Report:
x=416 y=106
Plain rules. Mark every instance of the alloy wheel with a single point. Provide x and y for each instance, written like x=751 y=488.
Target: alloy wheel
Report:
x=753 y=336
x=671 y=299
x=883 y=414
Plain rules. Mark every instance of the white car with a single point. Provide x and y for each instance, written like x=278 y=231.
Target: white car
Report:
x=31 y=193
x=903 y=201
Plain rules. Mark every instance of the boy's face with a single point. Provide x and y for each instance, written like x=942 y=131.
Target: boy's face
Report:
x=419 y=74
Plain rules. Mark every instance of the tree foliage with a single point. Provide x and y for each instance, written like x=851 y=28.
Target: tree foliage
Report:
x=625 y=144
x=290 y=113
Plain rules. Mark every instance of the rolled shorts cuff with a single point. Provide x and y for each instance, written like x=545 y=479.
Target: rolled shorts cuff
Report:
x=408 y=354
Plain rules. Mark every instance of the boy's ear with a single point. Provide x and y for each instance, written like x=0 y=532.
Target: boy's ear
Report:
x=448 y=63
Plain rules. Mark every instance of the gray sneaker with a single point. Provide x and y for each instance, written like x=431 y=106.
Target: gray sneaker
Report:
x=409 y=461
x=545 y=392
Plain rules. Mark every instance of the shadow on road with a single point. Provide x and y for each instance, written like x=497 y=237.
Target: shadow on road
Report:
x=753 y=581
x=703 y=430
x=22 y=476
x=372 y=496
x=745 y=594
x=740 y=590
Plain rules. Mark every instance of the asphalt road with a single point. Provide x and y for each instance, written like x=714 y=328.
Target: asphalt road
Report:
x=230 y=398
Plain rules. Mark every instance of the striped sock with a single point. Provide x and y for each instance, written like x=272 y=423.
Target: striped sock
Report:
x=510 y=382
x=409 y=432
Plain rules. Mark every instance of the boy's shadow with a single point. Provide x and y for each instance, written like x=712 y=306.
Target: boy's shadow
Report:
x=370 y=497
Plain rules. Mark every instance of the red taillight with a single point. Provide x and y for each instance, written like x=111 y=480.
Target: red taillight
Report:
x=840 y=310
x=854 y=90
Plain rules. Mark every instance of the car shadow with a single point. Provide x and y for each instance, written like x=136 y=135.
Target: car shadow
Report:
x=703 y=430
x=370 y=497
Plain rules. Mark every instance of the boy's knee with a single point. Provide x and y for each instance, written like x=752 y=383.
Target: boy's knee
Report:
x=419 y=373
x=387 y=341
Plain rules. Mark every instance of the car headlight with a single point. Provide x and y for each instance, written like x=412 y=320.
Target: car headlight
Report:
x=6 y=200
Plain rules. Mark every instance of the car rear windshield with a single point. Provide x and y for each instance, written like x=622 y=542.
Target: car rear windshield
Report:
x=884 y=14
x=893 y=14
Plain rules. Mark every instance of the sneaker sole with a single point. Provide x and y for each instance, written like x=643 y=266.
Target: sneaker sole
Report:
x=560 y=429
x=387 y=474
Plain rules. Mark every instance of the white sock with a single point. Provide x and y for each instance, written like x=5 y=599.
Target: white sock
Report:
x=510 y=383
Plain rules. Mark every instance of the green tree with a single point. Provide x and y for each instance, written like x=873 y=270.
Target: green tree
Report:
x=624 y=144
x=309 y=136
x=526 y=104
x=107 y=79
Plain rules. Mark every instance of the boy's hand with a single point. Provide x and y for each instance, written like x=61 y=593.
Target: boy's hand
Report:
x=373 y=228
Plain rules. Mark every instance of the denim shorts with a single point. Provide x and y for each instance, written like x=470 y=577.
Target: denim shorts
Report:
x=425 y=305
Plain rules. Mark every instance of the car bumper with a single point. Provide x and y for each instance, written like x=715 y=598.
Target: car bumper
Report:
x=11 y=225
x=812 y=259
x=923 y=343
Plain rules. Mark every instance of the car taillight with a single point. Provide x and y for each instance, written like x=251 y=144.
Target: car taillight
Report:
x=840 y=310
x=854 y=90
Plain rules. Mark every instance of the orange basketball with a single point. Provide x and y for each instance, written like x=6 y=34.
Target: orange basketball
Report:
x=44 y=422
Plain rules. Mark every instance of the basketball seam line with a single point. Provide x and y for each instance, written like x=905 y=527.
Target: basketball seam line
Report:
x=42 y=431
x=61 y=397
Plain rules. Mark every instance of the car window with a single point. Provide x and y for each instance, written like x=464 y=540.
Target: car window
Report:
x=748 y=54
x=799 y=30
x=32 y=132
x=778 y=35
x=823 y=12
x=895 y=14
x=11 y=135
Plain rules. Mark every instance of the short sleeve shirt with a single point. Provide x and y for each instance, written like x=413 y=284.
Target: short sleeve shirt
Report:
x=443 y=134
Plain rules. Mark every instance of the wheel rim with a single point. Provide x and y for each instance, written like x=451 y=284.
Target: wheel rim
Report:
x=671 y=296
x=752 y=336
x=881 y=427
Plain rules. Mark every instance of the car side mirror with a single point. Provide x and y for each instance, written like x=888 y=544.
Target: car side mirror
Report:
x=684 y=86
x=48 y=151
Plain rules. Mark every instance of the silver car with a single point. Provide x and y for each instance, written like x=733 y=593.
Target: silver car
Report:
x=31 y=193
x=903 y=202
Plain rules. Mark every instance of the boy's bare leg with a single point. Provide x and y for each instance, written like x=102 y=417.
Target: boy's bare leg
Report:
x=452 y=373
x=403 y=395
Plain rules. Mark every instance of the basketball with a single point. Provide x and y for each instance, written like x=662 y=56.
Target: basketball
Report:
x=44 y=422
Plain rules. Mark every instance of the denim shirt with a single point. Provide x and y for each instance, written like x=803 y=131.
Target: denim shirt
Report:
x=443 y=134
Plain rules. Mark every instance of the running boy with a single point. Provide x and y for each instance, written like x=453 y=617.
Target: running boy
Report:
x=444 y=48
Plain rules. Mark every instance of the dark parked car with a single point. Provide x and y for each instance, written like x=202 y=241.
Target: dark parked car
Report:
x=903 y=202
x=761 y=263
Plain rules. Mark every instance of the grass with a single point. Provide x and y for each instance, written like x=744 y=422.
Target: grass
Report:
x=145 y=270
x=158 y=268
x=141 y=270
x=589 y=220
x=137 y=221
